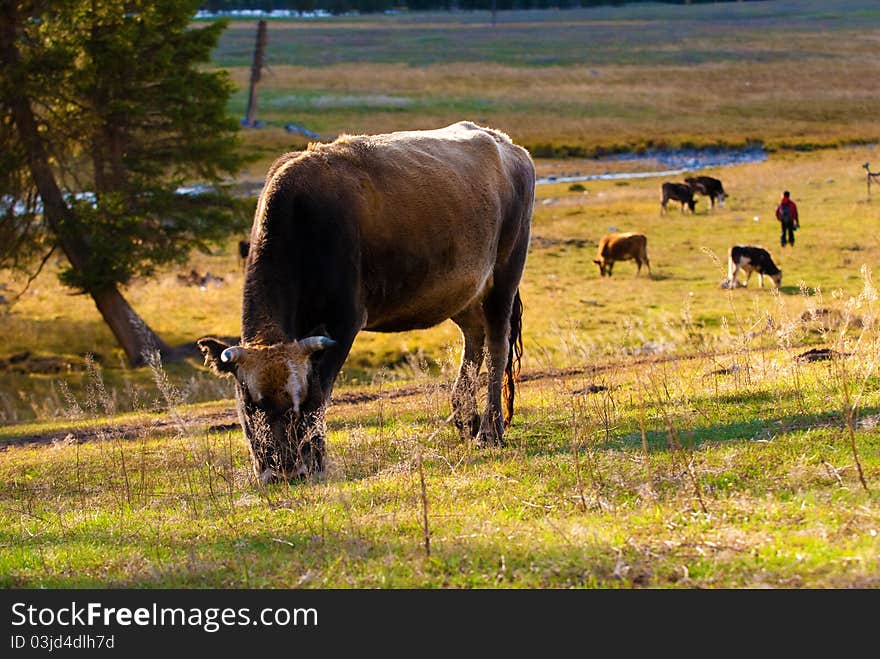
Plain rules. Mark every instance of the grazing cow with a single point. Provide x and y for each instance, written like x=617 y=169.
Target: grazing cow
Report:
x=709 y=187
x=622 y=247
x=750 y=259
x=678 y=192
x=244 y=246
x=384 y=233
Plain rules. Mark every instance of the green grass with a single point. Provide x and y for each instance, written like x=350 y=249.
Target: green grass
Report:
x=649 y=34
x=746 y=492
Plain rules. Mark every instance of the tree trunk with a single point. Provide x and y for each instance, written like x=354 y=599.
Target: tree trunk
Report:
x=133 y=334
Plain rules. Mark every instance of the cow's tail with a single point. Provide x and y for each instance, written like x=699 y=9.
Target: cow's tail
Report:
x=514 y=355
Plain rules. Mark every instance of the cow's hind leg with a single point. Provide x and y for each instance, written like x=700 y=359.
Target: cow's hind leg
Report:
x=503 y=313
x=498 y=311
x=464 y=393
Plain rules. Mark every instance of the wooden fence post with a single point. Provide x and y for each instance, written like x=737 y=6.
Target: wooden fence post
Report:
x=259 y=51
x=872 y=176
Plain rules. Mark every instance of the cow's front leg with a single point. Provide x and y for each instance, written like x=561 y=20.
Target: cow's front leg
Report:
x=307 y=445
x=309 y=427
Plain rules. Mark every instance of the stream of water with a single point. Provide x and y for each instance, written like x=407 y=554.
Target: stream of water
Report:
x=678 y=162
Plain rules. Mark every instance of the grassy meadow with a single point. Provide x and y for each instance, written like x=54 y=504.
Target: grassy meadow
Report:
x=666 y=435
x=576 y=82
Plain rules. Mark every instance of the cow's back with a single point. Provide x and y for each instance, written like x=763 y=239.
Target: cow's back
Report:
x=423 y=217
x=677 y=191
x=621 y=246
x=754 y=257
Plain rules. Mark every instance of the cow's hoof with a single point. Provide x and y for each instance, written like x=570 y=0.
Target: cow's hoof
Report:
x=302 y=472
x=309 y=461
x=468 y=430
x=274 y=476
x=488 y=440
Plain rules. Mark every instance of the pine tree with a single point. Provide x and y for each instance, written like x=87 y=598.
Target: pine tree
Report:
x=106 y=110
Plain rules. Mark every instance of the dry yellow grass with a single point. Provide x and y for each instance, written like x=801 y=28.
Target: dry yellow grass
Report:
x=571 y=316
x=594 y=108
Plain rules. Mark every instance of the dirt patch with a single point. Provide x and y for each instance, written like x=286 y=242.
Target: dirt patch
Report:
x=226 y=420
x=540 y=242
x=164 y=423
x=590 y=389
x=30 y=364
x=820 y=354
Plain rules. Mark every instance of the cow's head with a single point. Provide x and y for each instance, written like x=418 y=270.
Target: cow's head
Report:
x=692 y=203
x=604 y=268
x=777 y=279
x=273 y=386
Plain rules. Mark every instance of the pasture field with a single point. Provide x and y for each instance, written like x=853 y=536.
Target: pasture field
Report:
x=667 y=434
x=571 y=316
x=784 y=74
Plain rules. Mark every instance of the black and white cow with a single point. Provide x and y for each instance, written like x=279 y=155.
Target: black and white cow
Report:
x=750 y=258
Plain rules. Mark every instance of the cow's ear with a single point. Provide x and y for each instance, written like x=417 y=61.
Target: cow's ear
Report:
x=597 y=261
x=212 y=349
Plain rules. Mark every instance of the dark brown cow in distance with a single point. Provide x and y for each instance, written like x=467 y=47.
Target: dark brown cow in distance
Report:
x=678 y=192
x=750 y=258
x=384 y=233
x=709 y=187
x=244 y=247
x=622 y=247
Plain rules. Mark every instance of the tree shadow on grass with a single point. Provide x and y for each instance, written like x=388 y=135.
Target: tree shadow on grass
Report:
x=740 y=431
x=789 y=290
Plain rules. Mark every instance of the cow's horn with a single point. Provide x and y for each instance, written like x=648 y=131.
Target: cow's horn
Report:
x=232 y=354
x=315 y=343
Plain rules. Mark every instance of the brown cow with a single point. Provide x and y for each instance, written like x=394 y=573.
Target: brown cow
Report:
x=383 y=233
x=622 y=247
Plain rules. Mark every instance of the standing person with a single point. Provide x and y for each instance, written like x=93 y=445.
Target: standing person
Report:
x=787 y=214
